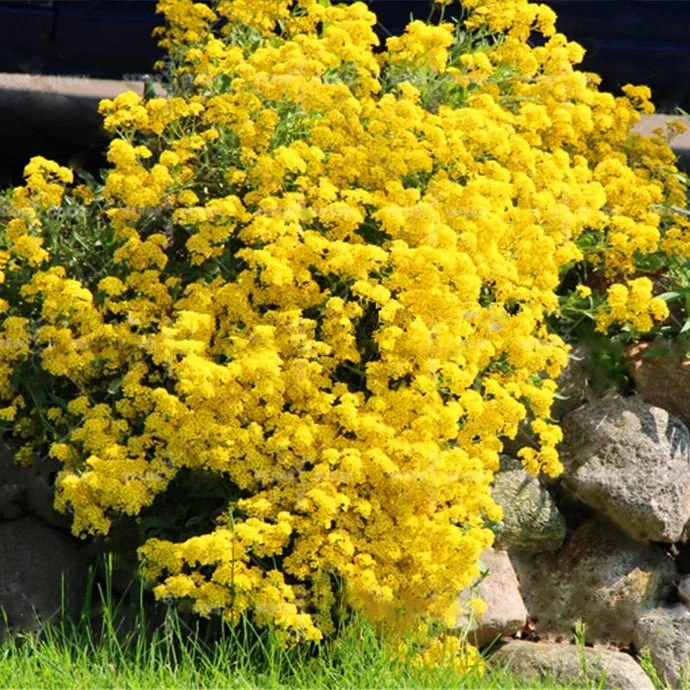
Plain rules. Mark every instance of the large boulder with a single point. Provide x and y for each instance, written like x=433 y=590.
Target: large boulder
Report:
x=573 y=382
x=29 y=490
x=661 y=373
x=629 y=461
x=569 y=665
x=40 y=497
x=683 y=587
x=600 y=577
x=665 y=632
x=532 y=522
x=12 y=486
x=505 y=611
x=12 y=501
x=10 y=473
x=34 y=560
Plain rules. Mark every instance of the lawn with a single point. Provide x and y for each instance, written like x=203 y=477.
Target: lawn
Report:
x=179 y=651
x=176 y=658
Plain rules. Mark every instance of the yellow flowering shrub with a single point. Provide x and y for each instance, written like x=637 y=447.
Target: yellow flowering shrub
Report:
x=323 y=274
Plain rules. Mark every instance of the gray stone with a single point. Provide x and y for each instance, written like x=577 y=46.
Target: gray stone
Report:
x=525 y=438
x=683 y=587
x=35 y=485
x=122 y=540
x=630 y=462
x=12 y=501
x=505 y=611
x=665 y=632
x=34 y=559
x=40 y=496
x=568 y=664
x=600 y=577
x=661 y=373
x=572 y=383
x=10 y=473
x=531 y=520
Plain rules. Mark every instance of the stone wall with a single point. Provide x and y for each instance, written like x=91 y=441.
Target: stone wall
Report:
x=605 y=544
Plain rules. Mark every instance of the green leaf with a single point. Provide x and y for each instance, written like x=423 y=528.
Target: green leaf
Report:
x=114 y=385
x=669 y=296
x=655 y=352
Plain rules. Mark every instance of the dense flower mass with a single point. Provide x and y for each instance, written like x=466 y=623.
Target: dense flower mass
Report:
x=324 y=272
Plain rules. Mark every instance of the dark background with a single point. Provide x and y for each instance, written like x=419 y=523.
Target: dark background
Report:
x=627 y=41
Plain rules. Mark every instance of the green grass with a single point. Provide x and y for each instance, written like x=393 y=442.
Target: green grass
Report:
x=354 y=661
x=179 y=653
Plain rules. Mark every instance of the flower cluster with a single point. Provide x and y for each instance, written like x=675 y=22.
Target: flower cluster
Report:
x=329 y=270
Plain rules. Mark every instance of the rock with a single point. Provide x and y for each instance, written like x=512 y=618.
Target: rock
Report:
x=665 y=632
x=531 y=520
x=10 y=473
x=36 y=482
x=12 y=501
x=570 y=665
x=572 y=383
x=121 y=542
x=661 y=374
x=33 y=559
x=683 y=587
x=525 y=438
x=40 y=497
x=629 y=461
x=601 y=577
x=505 y=611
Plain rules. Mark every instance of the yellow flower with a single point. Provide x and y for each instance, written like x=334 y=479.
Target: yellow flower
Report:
x=324 y=277
x=477 y=607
